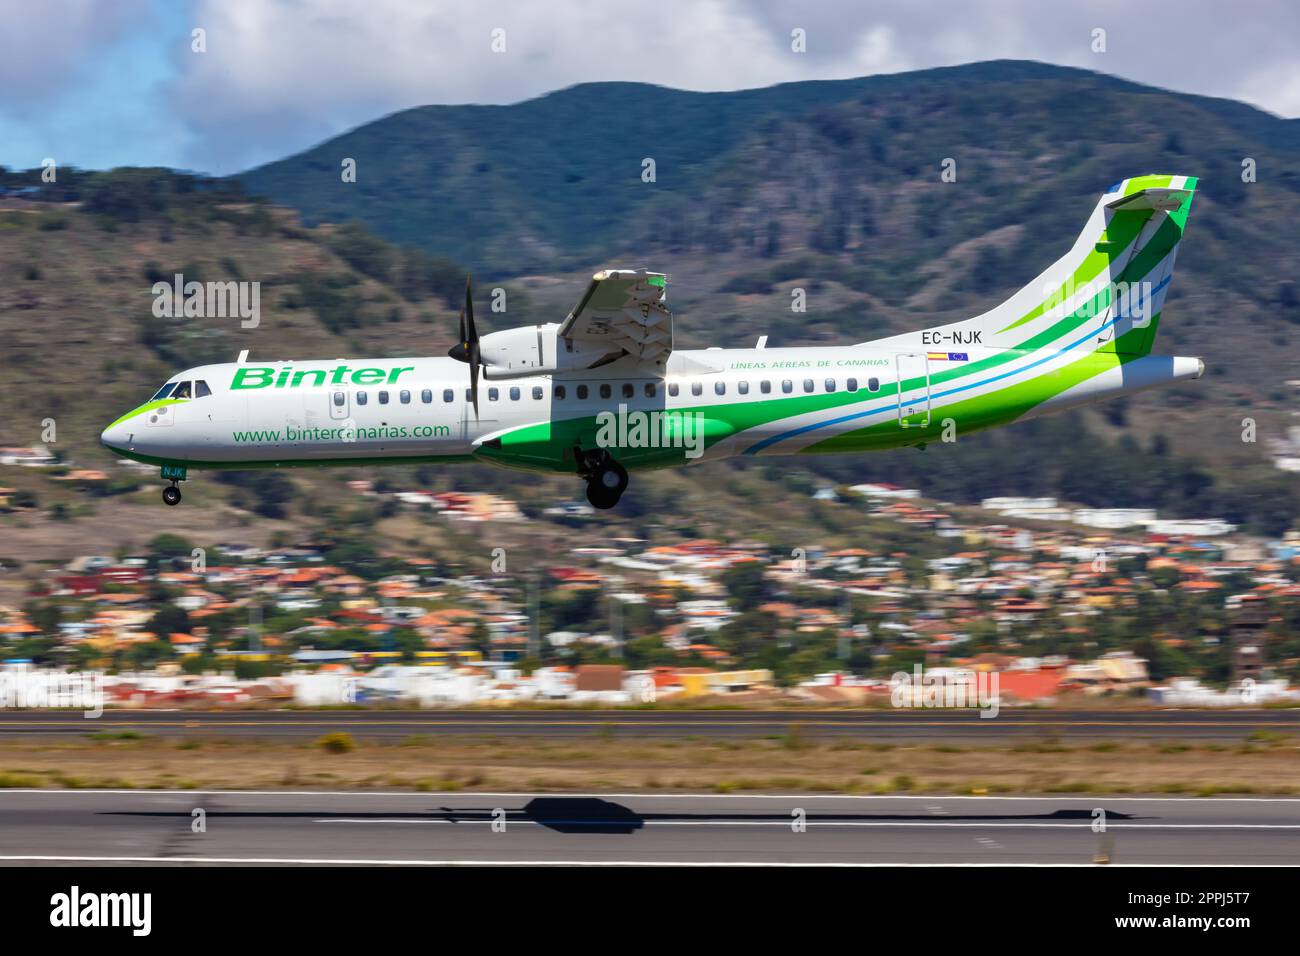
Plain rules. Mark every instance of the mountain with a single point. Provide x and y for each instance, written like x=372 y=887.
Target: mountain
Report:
x=559 y=177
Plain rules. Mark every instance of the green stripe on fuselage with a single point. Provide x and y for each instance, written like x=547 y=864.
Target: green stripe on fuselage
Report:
x=999 y=407
x=148 y=407
x=288 y=462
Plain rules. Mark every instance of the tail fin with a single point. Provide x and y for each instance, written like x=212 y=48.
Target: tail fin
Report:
x=1105 y=294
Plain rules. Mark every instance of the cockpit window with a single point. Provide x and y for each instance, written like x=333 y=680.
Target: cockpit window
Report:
x=164 y=391
x=182 y=390
x=201 y=389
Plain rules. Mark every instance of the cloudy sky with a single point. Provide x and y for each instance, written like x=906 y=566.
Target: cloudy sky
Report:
x=98 y=83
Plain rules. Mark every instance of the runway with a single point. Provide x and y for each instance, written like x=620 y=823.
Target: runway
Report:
x=1234 y=725
x=404 y=829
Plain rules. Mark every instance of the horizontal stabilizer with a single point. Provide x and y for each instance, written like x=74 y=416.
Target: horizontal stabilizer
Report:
x=1164 y=200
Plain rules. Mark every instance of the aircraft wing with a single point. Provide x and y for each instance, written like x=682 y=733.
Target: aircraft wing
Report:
x=624 y=309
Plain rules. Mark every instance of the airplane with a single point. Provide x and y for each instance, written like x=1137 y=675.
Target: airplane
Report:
x=604 y=392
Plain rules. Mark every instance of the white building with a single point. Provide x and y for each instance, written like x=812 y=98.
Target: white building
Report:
x=1114 y=517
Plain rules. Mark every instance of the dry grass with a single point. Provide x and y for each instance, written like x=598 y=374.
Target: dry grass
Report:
x=605 y=762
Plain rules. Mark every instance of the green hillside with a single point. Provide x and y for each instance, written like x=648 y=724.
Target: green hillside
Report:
x=558 y=178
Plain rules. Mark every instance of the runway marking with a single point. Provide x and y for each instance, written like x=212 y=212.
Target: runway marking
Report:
x=650 y=713
x=658 y=795
x=318 y=861
x=785 y=824
x=17 y=726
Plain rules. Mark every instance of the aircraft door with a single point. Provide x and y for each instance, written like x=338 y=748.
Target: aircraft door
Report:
x=913 y=400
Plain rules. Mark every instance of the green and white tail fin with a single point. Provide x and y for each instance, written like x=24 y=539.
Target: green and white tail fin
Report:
x=1105 y=294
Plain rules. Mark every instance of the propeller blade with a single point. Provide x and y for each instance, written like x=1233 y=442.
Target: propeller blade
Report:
x=473 y=377
x=472 y=335
x=466 y=350
x=460 y=351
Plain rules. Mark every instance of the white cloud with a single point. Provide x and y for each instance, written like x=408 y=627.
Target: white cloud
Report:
x=878 y=52
x=313 y=68
x=47 y=48
x=280 y=75
x=1275 y=85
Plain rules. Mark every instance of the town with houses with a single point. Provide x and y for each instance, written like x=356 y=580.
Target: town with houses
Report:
x=1063 y=604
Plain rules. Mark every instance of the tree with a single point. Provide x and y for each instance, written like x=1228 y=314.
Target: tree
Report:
x=168 y=547
x=169 y=619
x=746 y=585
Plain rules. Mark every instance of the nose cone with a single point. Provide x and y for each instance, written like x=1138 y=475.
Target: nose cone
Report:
x=115 y=437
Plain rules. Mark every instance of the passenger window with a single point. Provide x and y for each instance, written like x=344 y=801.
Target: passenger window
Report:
x=201 y=389
x=697 y=388
x=674 y=389
x=629 y=390
x=163 y=392
x=383 y=397
x=650 y=390
x=606 y=391
x=719 y=388
x=448 y=395
x=765 y=387
x=514 y=393
x=830 y=385
x=808 y=385
x=182 y=390
x=852 y=385
x=560 y=392
x=537 y=393
x=426 y=396
x=742 y=388
x=582 y=391
x=404 y=396
x=493 y=394
x=338 y=399
x=873 y=384
x=362 y=398
x=787 y=386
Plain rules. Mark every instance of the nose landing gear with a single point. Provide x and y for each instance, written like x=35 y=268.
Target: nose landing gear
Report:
x=172 y=494
x=606 y=478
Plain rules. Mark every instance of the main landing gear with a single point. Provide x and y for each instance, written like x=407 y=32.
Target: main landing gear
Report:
x=172 y=494
x=606 y=478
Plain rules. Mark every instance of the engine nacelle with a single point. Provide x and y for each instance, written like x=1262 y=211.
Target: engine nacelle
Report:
x=535 y=350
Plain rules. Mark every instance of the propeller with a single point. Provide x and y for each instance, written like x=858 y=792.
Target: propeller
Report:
x=466 y=350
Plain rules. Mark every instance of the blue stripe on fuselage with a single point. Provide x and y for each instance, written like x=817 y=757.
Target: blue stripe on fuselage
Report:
x=768 y=442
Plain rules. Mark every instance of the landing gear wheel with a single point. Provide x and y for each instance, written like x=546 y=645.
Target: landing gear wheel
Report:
x=599 y=497
x=606 y=484
x=172 y=495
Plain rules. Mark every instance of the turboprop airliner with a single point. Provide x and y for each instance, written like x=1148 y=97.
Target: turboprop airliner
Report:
x=604 y=391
